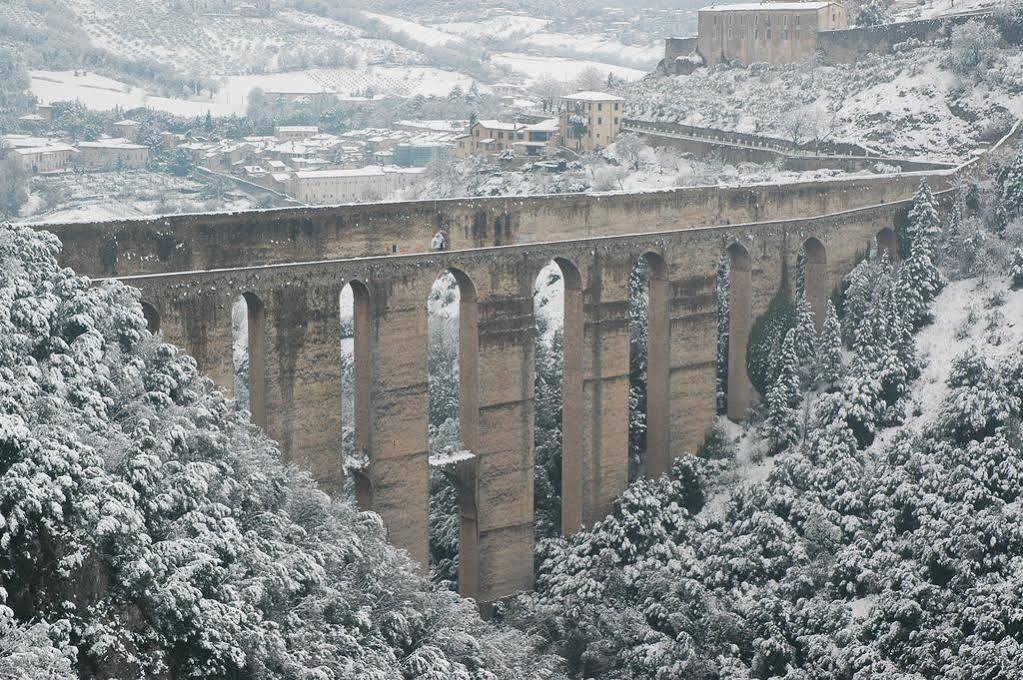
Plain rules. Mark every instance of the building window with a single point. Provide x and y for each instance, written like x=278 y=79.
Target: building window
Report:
x=784 y=35
x=616 y=120
x=600 y=107
x=742 y=20
x=600 y=121
x=756 y=35
x=797 y=34
x=756 y=20
x=768 y=34
x=797 y=20
x=785 y=20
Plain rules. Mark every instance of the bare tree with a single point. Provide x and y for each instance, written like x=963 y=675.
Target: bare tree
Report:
x=590 y=79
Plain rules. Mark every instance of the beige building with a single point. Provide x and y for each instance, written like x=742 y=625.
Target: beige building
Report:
x=127 y=129
x=295 y=133
x=112 y=154
x=372 y=183
x=491 y=137
x=773 y=32
x=589 y=120
x=51 y=157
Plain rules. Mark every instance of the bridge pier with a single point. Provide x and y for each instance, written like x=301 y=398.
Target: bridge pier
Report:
x=302 y=364
x=605 y=403
x=505 y=441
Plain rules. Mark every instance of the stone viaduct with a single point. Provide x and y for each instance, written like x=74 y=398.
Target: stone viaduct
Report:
x=292 y=264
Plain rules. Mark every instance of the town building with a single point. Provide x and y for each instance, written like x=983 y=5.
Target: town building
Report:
x=352 y=185
x=34 y=155
x=491 y=137
x=127 y=129
x=588 y=120
x=418 y=154
x=112 y=154
x=773 y=32
x=537 y=139
x=295 y=133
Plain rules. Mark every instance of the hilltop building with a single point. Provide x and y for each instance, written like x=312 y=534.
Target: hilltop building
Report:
x=773 y=32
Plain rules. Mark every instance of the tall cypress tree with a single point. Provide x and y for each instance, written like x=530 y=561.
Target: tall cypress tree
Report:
x=829 y=350
x=783 y=417
x=922 y=230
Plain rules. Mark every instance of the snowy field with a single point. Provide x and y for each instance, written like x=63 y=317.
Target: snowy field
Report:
x=495 y=27
x=100 y=93
x=418 y=32
x=536 y=68
x=598 y=46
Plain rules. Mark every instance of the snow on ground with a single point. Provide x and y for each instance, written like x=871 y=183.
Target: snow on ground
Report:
x=751 y=465
x=599 y=47
x=905 y=104
x=503 y=27
x=966 y=318
x=103 y=196
x=536 y=68
x=101 y=93
x=908 y=10
x=418 y=32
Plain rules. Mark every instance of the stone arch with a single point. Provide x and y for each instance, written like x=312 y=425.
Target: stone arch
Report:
x=816 y=282
x=657 y=457
x=740 y=322
x=356 y=335
x=255 y=326
x=464 y=473
x=569 y=481
x=887 y=242
x=151 y=316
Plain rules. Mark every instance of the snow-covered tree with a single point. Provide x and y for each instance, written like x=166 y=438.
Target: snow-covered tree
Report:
x=781 y=428
x=805 y=336
x=1011 y=187
x=921 y=231
x=829 y=370
x=140 y=506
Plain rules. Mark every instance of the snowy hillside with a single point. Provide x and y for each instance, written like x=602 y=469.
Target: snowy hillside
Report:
x=913 y=103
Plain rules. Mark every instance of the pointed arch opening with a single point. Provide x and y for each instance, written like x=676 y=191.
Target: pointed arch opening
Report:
x=355 y=331
x=740 y=313
x=648 y=368
x=152 y=317
x=248 y=329
x=453 y=385
x=558 y=317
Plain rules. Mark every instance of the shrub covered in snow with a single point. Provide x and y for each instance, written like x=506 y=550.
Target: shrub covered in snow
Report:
x=159 y=533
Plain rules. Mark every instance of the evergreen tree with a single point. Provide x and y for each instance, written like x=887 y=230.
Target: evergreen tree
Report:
x=829 y=350
x=1011 y=191
x=806 y=334
x=859 y=292
x=782 y=427
x=922 y=229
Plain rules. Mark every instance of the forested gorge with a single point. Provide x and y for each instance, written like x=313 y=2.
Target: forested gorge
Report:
x=855 y=528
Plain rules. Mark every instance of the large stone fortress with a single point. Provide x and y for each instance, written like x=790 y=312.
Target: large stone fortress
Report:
x=291 y=266
x=774 y=32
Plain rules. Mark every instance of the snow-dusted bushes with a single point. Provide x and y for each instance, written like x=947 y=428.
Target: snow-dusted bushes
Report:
x=142 y=516
x=895 y=560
